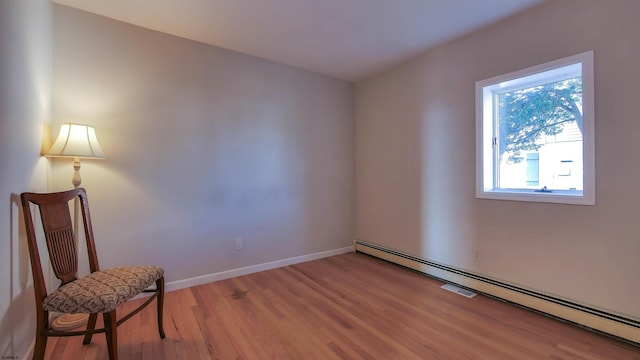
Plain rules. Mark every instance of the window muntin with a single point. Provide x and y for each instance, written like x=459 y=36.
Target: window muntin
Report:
x=535 y=133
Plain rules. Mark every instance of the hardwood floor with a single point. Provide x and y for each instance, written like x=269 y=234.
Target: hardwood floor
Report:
x=350 y=306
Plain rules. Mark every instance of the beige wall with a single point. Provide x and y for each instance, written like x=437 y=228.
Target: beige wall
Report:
x=25 y=108
x=415 y=159
x=204 y=146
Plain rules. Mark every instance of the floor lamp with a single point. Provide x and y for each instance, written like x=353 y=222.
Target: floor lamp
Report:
x=75 y=141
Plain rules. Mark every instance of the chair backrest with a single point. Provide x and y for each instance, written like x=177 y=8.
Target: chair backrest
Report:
x=59 y=235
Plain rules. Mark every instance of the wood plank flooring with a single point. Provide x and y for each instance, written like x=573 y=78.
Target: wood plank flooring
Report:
x=350 y=306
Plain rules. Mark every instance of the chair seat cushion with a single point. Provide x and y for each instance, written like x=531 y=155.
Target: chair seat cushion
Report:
x=102 y=291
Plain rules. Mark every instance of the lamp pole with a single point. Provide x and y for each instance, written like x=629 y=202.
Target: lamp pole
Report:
x=76 y=141
x=66 y=322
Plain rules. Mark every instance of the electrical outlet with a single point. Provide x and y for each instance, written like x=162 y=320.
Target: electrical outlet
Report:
x=239 y=244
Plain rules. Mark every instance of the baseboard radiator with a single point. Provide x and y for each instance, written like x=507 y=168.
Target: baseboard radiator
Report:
x=608 y=323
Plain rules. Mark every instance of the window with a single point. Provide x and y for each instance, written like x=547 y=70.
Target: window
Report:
x=535 y=137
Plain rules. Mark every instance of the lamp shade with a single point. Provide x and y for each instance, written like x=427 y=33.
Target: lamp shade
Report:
x=76 y=140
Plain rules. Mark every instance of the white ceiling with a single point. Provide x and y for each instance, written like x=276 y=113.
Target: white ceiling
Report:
x=345 y=39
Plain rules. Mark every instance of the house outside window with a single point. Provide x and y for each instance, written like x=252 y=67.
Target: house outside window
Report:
x=535 y=133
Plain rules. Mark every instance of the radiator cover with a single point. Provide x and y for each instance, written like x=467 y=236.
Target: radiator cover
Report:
x=621 y=327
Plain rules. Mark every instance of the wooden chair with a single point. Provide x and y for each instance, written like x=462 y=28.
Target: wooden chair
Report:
x=99 y=292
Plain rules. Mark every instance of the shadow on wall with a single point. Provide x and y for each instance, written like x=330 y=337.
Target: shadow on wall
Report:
x=446 y=235
x=19 y=320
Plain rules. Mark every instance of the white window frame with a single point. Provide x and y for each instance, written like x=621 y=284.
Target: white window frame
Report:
x=485 y=159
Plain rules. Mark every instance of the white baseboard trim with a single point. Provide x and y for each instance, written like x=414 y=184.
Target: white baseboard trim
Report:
x=228 y=274
x=616 y=325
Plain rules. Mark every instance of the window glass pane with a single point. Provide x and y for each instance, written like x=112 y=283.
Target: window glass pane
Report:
x=539 y=131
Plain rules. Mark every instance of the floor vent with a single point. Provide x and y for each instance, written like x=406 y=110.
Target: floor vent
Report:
x=460 y=291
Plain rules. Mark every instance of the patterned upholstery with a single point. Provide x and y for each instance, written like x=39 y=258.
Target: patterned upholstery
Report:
x=102 y=291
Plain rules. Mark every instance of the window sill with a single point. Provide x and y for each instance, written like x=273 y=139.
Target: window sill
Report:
x=573 y=197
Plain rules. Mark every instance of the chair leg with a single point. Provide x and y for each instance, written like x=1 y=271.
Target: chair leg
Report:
x=41 y=346
x=111 y=331
x=160 y=301
x=42 y=324
x=90 y=326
